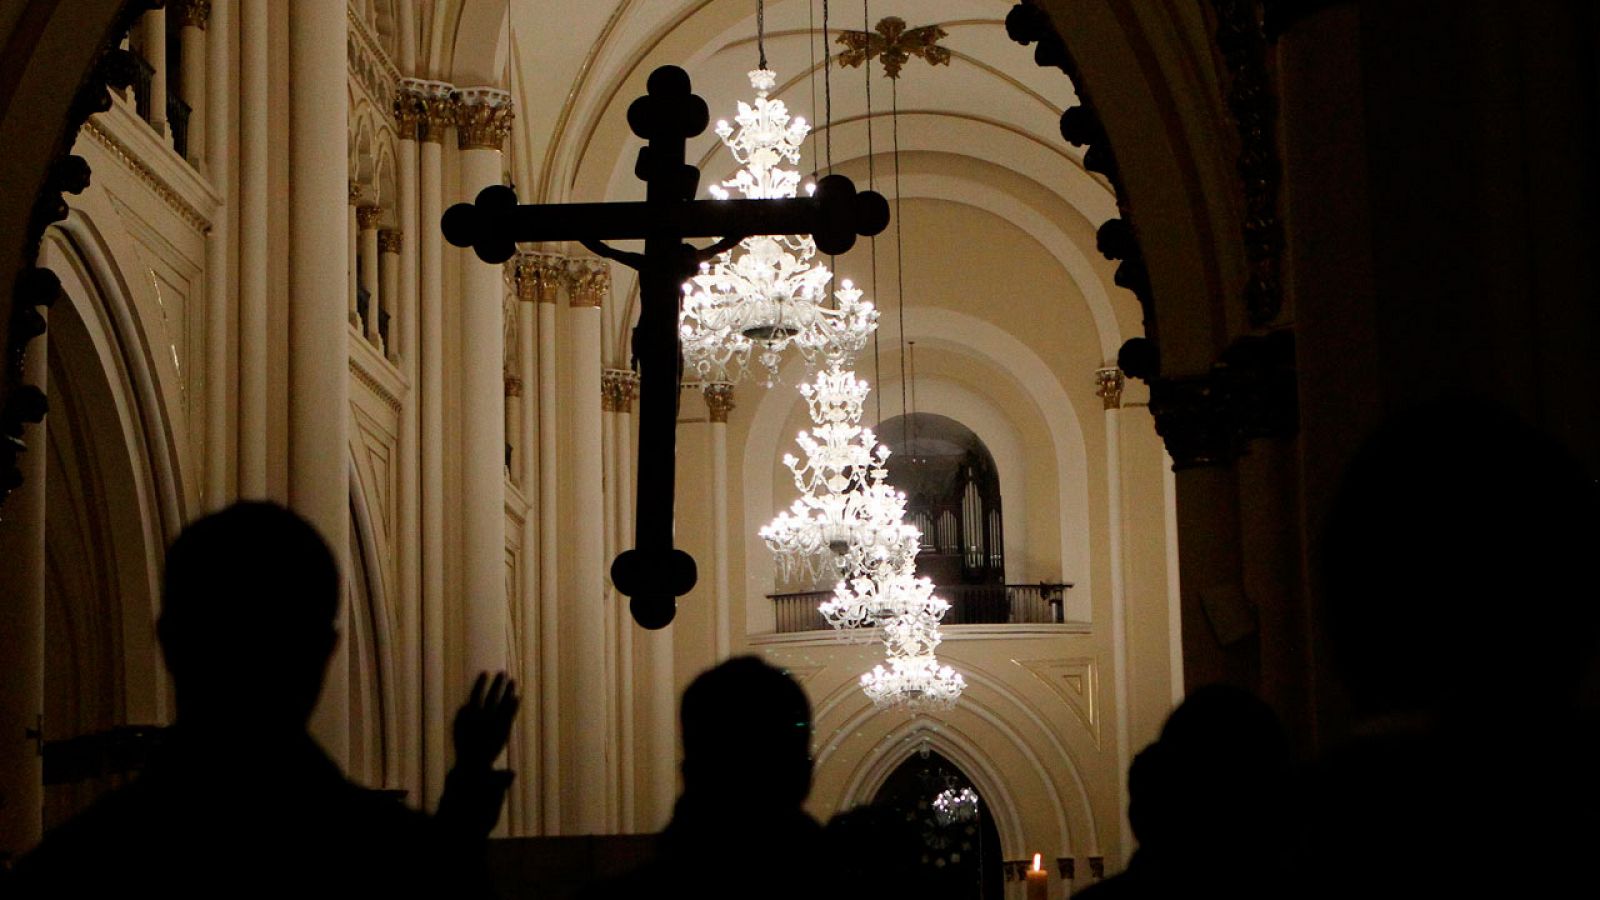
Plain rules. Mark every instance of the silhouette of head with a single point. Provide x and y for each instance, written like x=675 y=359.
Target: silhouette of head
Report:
x=746 y=737
x=247 y=618
x=1210 y=780
x=1457 y=524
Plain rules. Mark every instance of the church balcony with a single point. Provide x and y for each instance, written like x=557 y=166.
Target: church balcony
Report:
x=970 y=604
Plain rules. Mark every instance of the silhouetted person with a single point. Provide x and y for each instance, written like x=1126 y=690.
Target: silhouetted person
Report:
x=239 y=799
x=1205 y=803
x=739 y=830
x=892 y=868
x=1457 y=571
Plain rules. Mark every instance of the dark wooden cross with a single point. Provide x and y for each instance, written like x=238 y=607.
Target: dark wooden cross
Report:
x=654 y=573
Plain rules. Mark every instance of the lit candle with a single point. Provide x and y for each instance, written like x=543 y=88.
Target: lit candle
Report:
x=1038 y=880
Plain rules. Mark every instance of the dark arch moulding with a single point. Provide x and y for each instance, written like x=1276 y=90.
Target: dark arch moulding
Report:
x=1250 y=392
x=38 y=288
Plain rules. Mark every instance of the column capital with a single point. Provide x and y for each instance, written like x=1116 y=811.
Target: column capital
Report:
x=390 y=240
x=424 y=109
x=719 y=400
x=483 y=117
x=591 y=282
x=355 y=192
x=367 y=216
x=513 y=385
x=538 y=276
x=194 y=13
x=1108 y=386
x=618 y=388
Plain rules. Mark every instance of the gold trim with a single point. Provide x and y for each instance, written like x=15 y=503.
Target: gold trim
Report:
x=591 y=282
x=1108 y=384
x=483 y=117
x=195 y=13
x=131 y=161
x=391 y=240
x=719 y=400
x=367 y=217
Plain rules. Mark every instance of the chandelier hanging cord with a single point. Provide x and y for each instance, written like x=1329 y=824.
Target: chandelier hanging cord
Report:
x=899 y=248
x=827 y=87
x=872 y=180
x=761 y=32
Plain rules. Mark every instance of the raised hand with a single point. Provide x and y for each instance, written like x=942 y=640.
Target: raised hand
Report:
x=483 y=724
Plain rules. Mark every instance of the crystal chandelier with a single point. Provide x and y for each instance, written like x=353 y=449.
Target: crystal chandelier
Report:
x=850 y=522
x=769 y=293
x=847 y=517
x=952 y=805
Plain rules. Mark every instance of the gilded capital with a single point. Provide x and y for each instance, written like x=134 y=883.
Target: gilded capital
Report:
x=513 y=385
x=618 y=387
x=483 y=117
x=538 y=277
x=591 y=282
x=424 y=109
x=719 y=400
x=390 y=240
x=194 y=13
x=355 y=192
x=1108 y=386
x=367 y=217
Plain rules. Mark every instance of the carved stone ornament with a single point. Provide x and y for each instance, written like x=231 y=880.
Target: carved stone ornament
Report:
x=1108 y=384
x=591 y=282
x=390 y=240
x=719 y=400
x=367 y=217
x=891 y=40
x=1250 y=393
x=618 y=387
x=538 y=276
x=195 y=13
x=483 y=117
x=424 y=110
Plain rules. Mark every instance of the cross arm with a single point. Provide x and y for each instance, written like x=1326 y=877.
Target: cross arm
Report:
x=835 y=215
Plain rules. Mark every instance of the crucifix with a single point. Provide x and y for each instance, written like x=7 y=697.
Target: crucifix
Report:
x=654 y=573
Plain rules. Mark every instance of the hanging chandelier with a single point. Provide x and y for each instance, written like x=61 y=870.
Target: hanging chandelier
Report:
x=768 y=294
x=952 y=805
x=847 y=519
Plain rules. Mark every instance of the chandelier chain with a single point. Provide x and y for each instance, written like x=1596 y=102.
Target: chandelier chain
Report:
x=872 y=184
x=899 y=248
x=761 y=32
x=827 y=87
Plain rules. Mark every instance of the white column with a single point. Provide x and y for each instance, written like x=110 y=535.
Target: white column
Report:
x=530 y=722
x=192 y=16
x=593 y=771
x=482 y=123
x=367 y=268
x=1108 y=385
x=404 y=348
x=253 y=261
x=319 y=376
x=613 y=644
x=719 y=403
x=551 y=277
x=621 y=386
x=22 y=633
x=437 y=115
x=630 y=635
x=209 y=95
x=153 y=26
x=388 y=296
x=353 y=247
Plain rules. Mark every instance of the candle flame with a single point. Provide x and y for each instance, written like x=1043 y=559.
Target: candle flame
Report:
x=1036 y=858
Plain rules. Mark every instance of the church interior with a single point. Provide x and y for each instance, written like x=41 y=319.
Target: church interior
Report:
x=1207 y=342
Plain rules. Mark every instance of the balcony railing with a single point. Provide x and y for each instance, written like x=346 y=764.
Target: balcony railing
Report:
x=970 y=604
